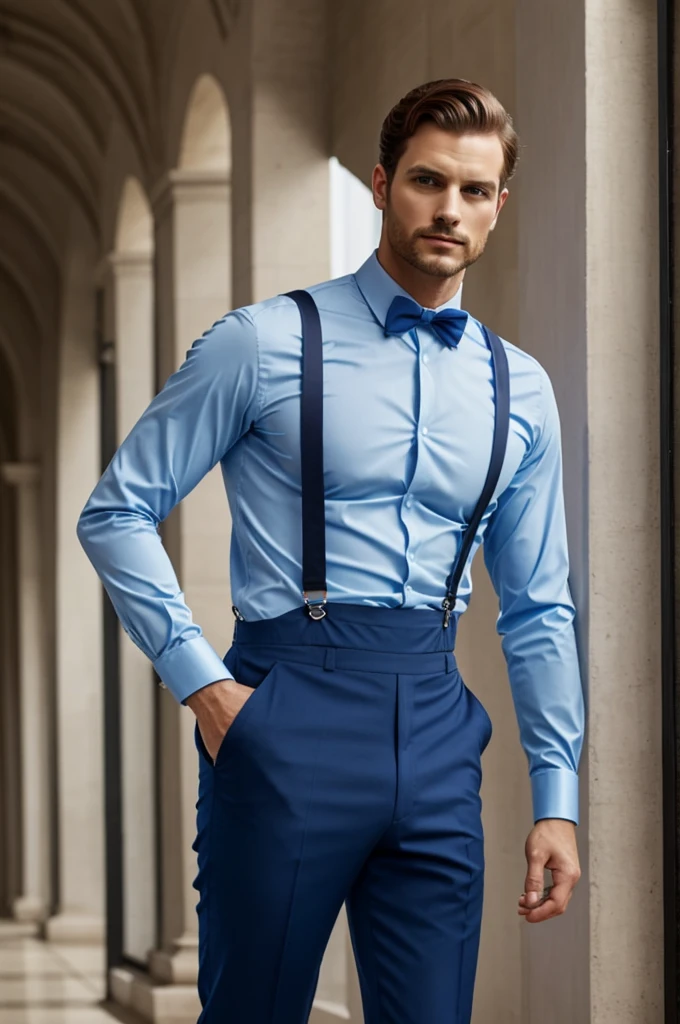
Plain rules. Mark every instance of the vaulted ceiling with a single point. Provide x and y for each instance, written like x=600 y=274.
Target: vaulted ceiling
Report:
x=68 y=70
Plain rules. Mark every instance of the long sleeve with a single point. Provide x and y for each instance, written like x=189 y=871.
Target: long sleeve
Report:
x=202 y=410
x=525 y=551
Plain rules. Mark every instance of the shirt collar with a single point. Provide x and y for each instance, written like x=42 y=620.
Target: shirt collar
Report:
x=378 y=288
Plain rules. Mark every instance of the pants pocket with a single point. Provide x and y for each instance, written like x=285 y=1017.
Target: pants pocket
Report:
x=243 y=716
x=245 y=712
x=487 y=724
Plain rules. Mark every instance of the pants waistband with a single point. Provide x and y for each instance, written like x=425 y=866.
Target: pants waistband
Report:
x=413 y=632
x=353 y=660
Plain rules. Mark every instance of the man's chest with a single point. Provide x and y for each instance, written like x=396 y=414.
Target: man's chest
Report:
x=398 y=414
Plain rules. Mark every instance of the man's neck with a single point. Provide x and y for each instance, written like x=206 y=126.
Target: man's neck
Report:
x=426 y=289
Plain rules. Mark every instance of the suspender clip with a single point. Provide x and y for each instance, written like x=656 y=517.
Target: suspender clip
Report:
x=446 y=604
x=237 y=613
x=315 y=606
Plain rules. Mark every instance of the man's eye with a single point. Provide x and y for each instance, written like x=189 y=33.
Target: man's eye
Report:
x=480 y=191
x=424 y=177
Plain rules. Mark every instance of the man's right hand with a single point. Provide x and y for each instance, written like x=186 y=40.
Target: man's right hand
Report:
x=216 y=706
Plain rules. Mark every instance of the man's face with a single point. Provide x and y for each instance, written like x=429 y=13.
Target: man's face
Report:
x=446 y=185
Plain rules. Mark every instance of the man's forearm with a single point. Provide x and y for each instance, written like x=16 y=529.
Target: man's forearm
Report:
x=548 y=695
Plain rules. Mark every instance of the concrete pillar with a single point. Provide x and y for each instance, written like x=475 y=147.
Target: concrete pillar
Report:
x=281 y=128
x=380 y=51
x=281 y=208
x=33 y=903
x=481 y=38
x=281 y=138
x=586 y=113
x=78 y=605
x=133 y=329
x=193 y=289
x=130 y=284
x=10 y=753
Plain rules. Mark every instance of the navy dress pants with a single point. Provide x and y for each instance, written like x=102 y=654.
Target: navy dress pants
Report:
x=351 y=774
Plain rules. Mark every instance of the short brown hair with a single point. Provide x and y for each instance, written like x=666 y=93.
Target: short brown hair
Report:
x=455 y=105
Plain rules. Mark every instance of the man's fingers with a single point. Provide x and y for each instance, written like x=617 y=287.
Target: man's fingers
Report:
x=555 y=904
x=215 y=722
x=551 y=844
x=533 y=882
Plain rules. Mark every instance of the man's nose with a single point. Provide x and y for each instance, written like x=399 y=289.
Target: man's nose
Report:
x=449 y=211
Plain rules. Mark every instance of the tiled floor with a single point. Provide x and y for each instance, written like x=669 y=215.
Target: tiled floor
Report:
x=44 y=983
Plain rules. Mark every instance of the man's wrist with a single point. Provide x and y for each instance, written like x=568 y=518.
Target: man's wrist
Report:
x=547 y=819
x=206 y=695
x=188 y=666
x=555 y=794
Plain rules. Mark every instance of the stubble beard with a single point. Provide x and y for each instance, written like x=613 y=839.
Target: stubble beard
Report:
x=406 y=246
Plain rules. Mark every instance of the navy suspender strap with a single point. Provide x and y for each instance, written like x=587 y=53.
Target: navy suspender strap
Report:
x=501 y=379
x=311 y=441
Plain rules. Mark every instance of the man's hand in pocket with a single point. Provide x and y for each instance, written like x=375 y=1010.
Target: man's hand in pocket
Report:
x=216 y=706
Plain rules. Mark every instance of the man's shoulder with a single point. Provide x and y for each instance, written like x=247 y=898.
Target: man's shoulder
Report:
x=333 y=295
x=268 y=327
x=519 y=360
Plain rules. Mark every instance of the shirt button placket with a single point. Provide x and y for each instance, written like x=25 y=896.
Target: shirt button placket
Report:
x=408 y=502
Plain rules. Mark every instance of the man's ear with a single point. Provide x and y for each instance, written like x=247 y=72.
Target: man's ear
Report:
x=501 y=202
x=379 y=186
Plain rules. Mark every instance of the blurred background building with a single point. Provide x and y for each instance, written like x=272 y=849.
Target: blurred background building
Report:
x=163 y=161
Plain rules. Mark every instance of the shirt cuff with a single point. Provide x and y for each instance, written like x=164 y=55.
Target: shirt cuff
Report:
x=189 y=667
x=555 y=794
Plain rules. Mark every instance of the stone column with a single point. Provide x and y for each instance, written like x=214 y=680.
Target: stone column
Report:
x=587 y=192
x=78 y=609
x=281 y=239
x=34 y=901
x=281 y=136
x=132 y=327
x=10 y=753
x=193 y=289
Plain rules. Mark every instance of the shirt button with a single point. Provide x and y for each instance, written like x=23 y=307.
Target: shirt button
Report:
x=424 y=430
x=425 y=357
x=411 y=555
x=409 y=587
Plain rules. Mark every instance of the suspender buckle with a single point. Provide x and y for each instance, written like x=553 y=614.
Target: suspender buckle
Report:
x=446 y=605
x=315 y=605
x=237 y=613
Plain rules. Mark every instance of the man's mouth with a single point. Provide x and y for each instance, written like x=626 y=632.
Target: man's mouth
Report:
x=444 y=238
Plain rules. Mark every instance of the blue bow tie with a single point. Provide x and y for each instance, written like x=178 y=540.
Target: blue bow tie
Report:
x=405 y=313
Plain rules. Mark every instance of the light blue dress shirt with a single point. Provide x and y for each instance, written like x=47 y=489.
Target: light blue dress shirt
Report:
x=408 y=427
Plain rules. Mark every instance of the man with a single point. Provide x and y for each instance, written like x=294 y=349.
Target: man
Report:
x=339 y=747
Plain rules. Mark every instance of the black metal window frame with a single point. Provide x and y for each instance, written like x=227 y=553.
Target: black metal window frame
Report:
x=668 y=576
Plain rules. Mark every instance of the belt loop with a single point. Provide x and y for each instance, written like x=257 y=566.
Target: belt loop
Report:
x=448 y=655
x=329 y=661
